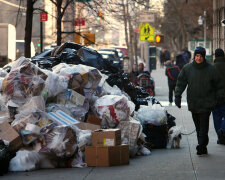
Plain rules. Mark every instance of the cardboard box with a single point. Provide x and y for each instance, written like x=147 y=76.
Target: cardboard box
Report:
x=85 y=126
x=130 y=131
x=9 y=134
x=107 y=156
x=106 y=137
x=94 y=120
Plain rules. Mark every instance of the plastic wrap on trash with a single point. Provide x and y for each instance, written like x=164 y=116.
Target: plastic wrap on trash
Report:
x=81 y=77
x=152 y=114
x=91 y=57
x=1 y=83
x=5 y=157
x=56 y=69
x=112 y=109
x=77 y=104
x=61 y=141
x=55 y=84
x=25 y=161
x=143 y=151
x=78 y=112
x=55 y=107
x=34 y=103
x=130 y=132
x=83 y=137
x=24 y=81
x=3 y=73
x=29 y=125
x=78 y=160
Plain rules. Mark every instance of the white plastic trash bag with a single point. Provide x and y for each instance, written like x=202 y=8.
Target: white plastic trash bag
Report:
x=25 y=161
x=154 y=114
x=55 y=84
x=112 y=109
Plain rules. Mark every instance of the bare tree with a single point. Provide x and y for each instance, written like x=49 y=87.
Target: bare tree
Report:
x=28 y=27
x=179 y=23
x=61 y=7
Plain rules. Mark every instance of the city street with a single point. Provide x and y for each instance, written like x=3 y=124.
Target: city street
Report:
x=162 y=164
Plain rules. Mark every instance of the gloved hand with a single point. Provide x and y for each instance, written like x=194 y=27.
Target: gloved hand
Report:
x=178 y=102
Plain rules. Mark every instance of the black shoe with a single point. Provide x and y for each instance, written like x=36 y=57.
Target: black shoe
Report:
x=201 y=151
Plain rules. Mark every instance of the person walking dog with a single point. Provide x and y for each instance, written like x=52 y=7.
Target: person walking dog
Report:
x=203 y=86
x=219 y=111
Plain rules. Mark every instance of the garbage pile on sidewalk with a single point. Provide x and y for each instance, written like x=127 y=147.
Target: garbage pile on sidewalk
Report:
x=73 y=116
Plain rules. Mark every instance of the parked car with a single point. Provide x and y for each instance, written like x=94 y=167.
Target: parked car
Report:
x=117 y=58
x=123 y=50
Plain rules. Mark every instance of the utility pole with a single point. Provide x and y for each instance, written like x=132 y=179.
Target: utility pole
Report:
x=205 y=29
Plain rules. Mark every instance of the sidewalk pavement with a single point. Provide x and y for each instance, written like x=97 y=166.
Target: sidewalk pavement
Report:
x=162 y=164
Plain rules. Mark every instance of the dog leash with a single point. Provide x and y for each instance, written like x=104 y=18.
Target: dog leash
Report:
x=188 y=133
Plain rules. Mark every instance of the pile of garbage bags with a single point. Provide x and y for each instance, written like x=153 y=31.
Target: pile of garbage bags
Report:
x=49 y=115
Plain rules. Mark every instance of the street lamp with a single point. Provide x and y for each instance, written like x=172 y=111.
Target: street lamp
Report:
x=202 y=20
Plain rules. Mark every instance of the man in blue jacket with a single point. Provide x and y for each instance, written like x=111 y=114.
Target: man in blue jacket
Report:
x=172 y=72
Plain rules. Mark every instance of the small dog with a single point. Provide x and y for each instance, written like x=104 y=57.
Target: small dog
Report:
x=175 y=136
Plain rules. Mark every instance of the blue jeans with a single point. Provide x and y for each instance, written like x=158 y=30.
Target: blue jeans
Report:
x=219 y=118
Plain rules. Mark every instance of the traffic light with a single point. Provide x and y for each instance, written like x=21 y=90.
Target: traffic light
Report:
x=159 y=38
x=39 y=44
x=99 y=16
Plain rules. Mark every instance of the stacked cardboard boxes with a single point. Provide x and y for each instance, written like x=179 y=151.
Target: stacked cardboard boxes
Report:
x=106 y=149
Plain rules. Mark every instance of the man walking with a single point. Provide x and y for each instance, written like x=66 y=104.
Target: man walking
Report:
x=172 y=72
x=219 y=111
x=203 y=86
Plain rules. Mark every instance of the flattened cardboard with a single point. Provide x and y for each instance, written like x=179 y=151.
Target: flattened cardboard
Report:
x=94 y=120
x=106 y=137
x=87 y=126
x=107 y=156
x=9 y=134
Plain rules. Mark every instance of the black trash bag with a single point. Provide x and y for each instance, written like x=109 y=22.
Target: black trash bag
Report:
x=5 y=157
x=170 y=120
x=91 y=58
x=69 y=56
x=12 y=112
x=68 y=45
x=156 y=135
x=48 y=63
x=140 y=101
x=115 y=79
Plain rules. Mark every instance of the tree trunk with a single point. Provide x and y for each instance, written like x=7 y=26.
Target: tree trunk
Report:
x=28 y=28
x=59 y=22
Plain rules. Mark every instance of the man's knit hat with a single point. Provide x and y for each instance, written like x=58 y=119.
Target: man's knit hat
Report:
x=200 y=50
x=219 y=53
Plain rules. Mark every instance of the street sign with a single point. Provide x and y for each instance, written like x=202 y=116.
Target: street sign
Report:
x=147 y=16
x=43 y=16
x=147 y=32
x=79 y=22
x=89 y=38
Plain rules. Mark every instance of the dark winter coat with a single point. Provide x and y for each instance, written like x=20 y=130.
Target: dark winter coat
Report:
x=220 y=68
x=203 y=86
x=180 y=61
x=134 y=77
x=172 y=72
